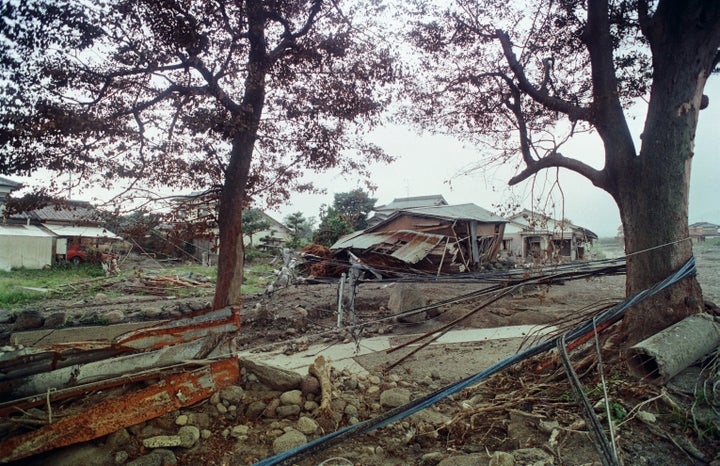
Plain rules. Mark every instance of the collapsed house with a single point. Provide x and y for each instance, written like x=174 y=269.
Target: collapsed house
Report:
x=382 y=212
x=439 y=239
x=532 y=236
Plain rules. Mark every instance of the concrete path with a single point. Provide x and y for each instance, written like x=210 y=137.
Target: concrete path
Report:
x=342 y=355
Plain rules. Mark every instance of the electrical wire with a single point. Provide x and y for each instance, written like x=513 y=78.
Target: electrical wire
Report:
x=293 y=455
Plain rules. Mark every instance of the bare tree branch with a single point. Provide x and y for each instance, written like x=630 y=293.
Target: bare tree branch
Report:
x=288 y=36
x=555 y=159
x=573 y=111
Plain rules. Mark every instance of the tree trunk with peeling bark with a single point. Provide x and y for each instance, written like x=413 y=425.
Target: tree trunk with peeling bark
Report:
x=653 y=191
x=231 y=256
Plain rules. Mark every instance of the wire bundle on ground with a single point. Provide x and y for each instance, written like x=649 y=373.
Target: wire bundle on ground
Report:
x=419 y=404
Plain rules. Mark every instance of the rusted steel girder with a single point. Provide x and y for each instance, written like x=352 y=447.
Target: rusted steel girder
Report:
x=171 y=393
x=180 y=330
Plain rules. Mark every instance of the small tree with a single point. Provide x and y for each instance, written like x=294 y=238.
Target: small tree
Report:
x=353 y=207
x=254 y=221
x=331 y=228
x=300 y=229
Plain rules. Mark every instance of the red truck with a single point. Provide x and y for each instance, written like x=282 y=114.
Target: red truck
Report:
x=78 y=254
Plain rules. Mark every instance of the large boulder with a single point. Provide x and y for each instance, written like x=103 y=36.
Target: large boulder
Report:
x=405 y=297
x=274 y=378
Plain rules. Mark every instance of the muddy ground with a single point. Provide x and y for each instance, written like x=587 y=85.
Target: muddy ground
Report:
x=527 y=411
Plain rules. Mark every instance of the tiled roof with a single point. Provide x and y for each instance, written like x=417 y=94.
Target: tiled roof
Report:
x=411 y=202
x=458 y=212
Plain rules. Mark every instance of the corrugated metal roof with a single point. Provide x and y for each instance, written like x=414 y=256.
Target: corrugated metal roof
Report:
x=85 y=232
x=457 y=212
x=9 y=183
x=408 y=246
x=23 y=230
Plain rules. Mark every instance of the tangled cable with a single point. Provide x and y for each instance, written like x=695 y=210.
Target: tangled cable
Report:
x=430 y=399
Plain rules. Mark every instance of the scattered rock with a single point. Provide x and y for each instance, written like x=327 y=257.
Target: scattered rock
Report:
x=159 y=457
x=310 y=384
x=395 y=397
x=351 y=410
x=474 y=459
x=548 y=427
x=431 y=417
x=114 y=317
x=289 y=440
x=431 y=459
x=274 y=377
x=271 y=407
x=55 y=320
x=292 y=397
x=201 y=420
x=117 y=439
x=287 y=411
x=29 y=319
x=162 y=441
x=501 y=458
x=85 y=454
x=310 y=406
x=240 y=431
x=121 y=457
x=232 y=394
x=189 y=436
x=6 y=316
x=307 y=425
x=534 y=456
x=182 y=420
x=645 y=416
x=255 y=409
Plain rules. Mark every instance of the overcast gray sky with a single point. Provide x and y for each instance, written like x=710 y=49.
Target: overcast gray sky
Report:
x=429 y=164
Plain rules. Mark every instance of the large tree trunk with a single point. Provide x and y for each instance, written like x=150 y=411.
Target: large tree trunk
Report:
x=231 y=257
x=242 y=128
x=652 y=194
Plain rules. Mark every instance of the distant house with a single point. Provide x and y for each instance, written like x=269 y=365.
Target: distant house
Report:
x=25 y=246
x=382 y=212
x=534 y=236
x=700 y=231
x=273 y=237
x=200 y=210
x=39 y=237
x=6 y=187
x=437 y=239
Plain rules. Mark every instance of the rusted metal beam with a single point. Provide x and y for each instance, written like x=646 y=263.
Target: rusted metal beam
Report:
x=214 y=344
x=31 y=371
x=169 y=394
x=14 y=406
x=181 y=330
